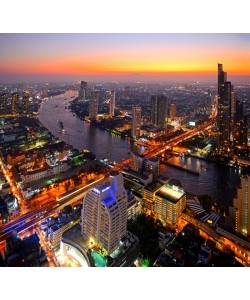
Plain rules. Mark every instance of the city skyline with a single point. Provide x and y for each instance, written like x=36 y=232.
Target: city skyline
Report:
x=128 y=57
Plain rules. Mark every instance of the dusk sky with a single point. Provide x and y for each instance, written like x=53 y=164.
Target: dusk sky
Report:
x=142 y=57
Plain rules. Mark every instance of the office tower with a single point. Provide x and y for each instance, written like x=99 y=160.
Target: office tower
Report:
x=104 y=213
x=93 y=104
x=3 y=104
x=24 y=109
x=15 y=103
x=136 y=122
x=170 y=201
x=152 y=165
x=224 y=110
x=159 y=110
x=242 y=207
x=172 y=110
x=112 y=104
x=83 y=90
x=138 y=162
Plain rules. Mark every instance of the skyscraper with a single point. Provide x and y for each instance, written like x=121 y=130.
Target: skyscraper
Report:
x=93 y=104
x=83 y=90
x=159 y=110
x=136 y=122
x=172 y=110
x=3 y=104
x=242 y=207
x=112 y=104
x=104 y=213
x=224 y=110
x=15 y=103
x=24 y=109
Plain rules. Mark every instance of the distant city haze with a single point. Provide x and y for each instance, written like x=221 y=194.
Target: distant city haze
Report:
x=124 y=57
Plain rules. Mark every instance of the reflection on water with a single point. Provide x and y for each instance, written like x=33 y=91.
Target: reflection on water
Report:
x=80 y=134
x=219 y=181
x=216 y=180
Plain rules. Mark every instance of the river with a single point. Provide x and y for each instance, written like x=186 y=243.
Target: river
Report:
x=219 y=181
x=80 y=134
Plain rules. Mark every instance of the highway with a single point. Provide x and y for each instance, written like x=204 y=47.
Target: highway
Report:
x=32 y=218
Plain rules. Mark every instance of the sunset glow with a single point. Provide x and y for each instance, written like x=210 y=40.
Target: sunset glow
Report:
x=123 y=54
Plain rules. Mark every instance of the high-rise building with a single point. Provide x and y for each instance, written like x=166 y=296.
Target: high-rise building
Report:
x=15 y=103
x=112 y=104
x=104 y=213
x=224 y=109
x=83 y=90
x=136 y=122
x=159 y=110
x=172 y=110
x=93 y=104
x=3 y=104
x=242 y=207
x=170 y=201
x=24 y=109
x=138 y=162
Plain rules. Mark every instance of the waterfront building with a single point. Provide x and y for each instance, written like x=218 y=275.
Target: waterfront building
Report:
x=225 y=91
x=159 y=110
x=138 y=162
x=104 y=213
x=172 y=110
x=83 y=90
x=136 y=122
x=148 y=196
x=241 y=207
x=112 y=104
x=170 y=201
x=14 y=103
x=152 y=165
x=3 y=104
x=93 y=104
x=135 y=181
x=24 y=109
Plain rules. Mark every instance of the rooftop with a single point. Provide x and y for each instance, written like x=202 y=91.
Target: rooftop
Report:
x=170 y=192
x=153 y=187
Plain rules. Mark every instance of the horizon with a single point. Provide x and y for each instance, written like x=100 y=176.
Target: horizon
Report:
x=132 y=57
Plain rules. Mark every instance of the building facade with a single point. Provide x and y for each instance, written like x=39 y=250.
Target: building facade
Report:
x=170 y=201
x=159 y=110
x=14 y=103
x=3 y=104
x=225 y=90
x=112 y=104
x=136 y=122
x=83 y=90
x=24 y=109
x=172 y=110
x=93 y=104
x=242 y=207
x=104 y=213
